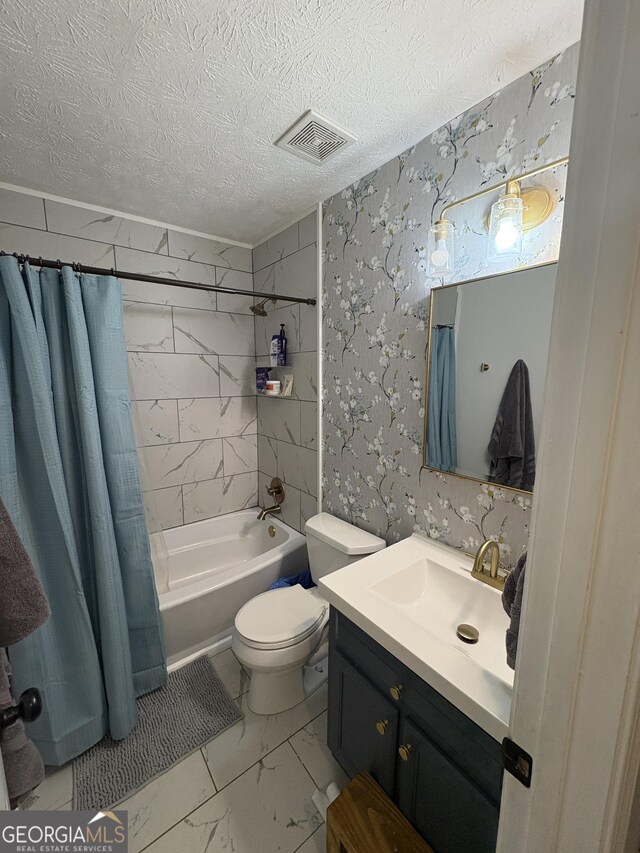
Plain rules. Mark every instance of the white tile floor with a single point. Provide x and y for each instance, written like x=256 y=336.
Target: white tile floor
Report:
x=247 y=791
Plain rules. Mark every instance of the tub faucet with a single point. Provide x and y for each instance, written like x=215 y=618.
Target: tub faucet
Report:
x=491 y=577
x=275 y=490
x=276 y=509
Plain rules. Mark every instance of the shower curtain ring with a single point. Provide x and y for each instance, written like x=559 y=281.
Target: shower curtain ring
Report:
x=59 y=263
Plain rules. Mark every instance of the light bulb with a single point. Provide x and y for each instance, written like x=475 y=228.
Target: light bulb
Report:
x=440 y=256
x=506 y=236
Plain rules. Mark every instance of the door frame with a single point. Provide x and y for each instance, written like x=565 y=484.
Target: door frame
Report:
x=576 y=705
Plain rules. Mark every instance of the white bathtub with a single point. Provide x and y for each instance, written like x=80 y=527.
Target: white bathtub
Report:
x=207 y=570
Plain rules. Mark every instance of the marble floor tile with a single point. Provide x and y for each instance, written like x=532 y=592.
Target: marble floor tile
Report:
x=317 y=843
x=310 y=745
x=166 y=800
x=55 y=792
x=266 y=810
x=251 y=738
x=231 y=673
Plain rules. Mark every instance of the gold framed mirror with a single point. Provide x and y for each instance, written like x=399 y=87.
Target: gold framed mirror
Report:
x=486 y=367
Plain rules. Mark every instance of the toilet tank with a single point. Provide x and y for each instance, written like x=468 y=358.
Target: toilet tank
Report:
x=333 y=544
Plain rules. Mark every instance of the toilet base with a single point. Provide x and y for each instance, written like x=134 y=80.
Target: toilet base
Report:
x=274 y=692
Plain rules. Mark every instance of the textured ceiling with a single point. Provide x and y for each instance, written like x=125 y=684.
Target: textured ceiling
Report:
x=169 y=108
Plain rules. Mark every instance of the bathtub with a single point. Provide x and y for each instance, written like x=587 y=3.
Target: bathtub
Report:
x=207 y=570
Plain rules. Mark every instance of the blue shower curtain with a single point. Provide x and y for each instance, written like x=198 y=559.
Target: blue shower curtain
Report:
x=441 y=409
x=69 y=478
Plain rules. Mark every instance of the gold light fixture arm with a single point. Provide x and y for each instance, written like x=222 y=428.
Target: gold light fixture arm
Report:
x=535 y=211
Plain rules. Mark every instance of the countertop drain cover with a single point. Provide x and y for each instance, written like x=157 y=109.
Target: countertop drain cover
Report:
x=467 y=633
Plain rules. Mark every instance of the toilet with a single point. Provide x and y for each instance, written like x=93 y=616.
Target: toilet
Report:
x=281 y=635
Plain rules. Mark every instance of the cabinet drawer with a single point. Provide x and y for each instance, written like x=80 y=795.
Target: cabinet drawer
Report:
x=363 y=724
x=446 y=807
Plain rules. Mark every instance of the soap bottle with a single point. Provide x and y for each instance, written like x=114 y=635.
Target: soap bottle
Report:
x=282 y=348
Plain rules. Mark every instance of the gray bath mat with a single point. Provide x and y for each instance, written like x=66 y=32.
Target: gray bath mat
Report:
x=172 y=723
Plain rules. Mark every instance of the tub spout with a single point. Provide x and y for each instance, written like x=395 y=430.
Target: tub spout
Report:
x=276 y=509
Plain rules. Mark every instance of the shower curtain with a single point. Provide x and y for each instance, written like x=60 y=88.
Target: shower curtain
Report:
x=69 y=478
x=441 y=418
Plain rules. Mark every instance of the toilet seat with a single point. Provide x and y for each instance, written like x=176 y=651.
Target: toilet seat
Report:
x=280 y=618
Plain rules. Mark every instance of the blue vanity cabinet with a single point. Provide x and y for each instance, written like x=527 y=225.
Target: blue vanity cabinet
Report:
x=366 y=740
x=442 y=771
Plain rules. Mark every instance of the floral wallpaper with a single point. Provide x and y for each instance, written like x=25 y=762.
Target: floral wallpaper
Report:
x=376 y=302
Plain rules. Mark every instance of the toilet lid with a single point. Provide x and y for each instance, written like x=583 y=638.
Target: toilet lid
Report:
x=280 y=617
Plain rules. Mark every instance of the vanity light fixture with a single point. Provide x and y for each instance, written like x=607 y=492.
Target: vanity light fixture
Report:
x=517 y=210
x=505 y=226
x=441 y=249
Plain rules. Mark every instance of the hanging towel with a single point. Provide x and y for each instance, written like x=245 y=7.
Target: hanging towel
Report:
x=23 y=608
x=512 y=447
x=23 y=604
x=512 y=603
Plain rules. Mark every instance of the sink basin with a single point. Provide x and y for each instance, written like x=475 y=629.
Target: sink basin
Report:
x=438 y=599
x=411 y=597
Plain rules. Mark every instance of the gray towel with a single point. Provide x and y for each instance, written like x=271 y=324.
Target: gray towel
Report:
x=23 y=608
x=512 y=446
x=512 y=603
x=23 y=765
x=23 y=604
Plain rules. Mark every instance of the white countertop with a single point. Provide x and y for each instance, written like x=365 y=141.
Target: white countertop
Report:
x=432 y=583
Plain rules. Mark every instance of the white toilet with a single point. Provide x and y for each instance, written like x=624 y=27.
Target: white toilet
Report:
x=278 y=632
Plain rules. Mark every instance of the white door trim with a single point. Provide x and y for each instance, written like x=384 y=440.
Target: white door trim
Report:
x=577 y=690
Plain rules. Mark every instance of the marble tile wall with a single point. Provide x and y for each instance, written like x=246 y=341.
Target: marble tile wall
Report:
x=287 y=428
x=191 y=353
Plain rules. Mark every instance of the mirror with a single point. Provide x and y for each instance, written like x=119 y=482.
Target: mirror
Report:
x=486 y=367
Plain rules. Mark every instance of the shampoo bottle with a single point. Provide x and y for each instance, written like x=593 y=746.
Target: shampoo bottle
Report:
x=273 y=352
x=282 y=348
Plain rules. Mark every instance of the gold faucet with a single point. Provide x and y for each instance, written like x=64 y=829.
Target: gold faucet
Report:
x=478 y=572
x=276 y=509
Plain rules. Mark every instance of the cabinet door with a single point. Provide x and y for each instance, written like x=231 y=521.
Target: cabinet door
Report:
x=363 y=724
x=444 y=805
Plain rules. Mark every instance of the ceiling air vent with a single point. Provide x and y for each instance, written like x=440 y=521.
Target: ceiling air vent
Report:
x=315 y=138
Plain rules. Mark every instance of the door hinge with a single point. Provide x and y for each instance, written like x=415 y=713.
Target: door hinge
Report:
x=517 y=762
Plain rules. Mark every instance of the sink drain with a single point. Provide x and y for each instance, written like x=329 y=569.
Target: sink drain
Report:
x=467 y=633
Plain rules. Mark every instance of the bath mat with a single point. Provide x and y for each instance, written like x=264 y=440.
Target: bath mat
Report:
x=173 y=722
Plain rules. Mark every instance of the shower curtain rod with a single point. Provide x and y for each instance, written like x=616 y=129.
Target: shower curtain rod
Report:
x=154 y=279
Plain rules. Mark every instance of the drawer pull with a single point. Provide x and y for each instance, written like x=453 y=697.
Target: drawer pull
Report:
x=404 y=751
x=396 y=691
x=382 y=726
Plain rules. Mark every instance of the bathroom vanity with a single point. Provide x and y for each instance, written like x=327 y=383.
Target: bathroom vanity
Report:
x=409 y=701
